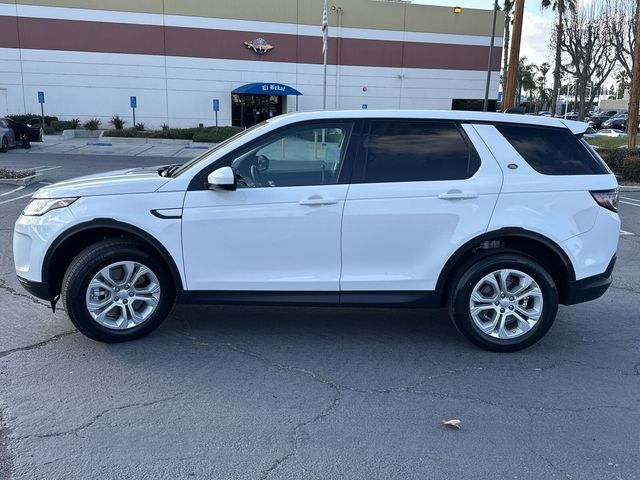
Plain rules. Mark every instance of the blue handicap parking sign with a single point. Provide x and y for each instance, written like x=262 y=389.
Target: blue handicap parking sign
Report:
x=134 y=102
x=216 y=105
x=40 y=97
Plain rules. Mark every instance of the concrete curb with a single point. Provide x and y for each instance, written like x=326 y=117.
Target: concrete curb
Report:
x=20 y=182
x=136 y=140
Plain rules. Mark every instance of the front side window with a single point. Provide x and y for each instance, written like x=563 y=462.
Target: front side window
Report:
x=307 y=154
x=418 y=151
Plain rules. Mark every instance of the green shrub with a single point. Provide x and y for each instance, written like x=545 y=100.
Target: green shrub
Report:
x=215 y=135
x=117 y=122
x=75 y=122
x=28 y=116
x=208 y=134
x=631 y=168
x=164 y=127
x=92 y=124
x=140 y=126
x=60 y=125
x=613 y=157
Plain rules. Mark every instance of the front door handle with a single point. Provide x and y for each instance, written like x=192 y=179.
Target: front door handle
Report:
x=457 y=195
x=315 y=200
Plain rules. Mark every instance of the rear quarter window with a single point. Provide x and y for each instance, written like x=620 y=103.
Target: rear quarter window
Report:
x=552 y=151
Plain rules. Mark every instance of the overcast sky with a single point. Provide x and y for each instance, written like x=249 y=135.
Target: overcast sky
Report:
x=536 y=28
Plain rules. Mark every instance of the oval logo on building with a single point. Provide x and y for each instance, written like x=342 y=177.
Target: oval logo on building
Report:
x=259 y=46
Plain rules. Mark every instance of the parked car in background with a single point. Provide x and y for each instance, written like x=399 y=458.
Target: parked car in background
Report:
x=618 y=122
x=596 y=121
x=497 y=217
x=610 y=132
x=590 y=132
x=545 y=113
x=13 y=134
x=36 y=129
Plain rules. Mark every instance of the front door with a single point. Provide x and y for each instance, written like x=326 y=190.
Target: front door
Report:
x=280 y=230
x=421 y=191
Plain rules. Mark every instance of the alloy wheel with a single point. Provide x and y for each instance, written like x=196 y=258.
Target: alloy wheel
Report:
x=506 y=304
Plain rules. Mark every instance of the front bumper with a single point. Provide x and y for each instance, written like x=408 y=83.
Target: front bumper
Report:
x=589 y=288
x=37 y=289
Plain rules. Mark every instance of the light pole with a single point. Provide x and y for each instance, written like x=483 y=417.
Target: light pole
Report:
x=489 y=62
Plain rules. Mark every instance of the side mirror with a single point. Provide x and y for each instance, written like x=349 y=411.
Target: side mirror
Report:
x=222 y=178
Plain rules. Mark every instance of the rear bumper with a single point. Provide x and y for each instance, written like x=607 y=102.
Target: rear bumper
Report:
x=590 y=288
x=37 y=289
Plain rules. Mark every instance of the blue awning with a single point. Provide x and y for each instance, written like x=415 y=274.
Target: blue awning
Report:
x=266 y=89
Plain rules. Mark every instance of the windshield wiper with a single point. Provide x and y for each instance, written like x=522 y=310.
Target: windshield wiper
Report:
x=169 y=170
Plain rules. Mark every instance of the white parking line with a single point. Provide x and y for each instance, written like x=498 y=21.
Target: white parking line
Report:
x=624 y=233
x=629 y=203
x=16 y=198
x=12 y=191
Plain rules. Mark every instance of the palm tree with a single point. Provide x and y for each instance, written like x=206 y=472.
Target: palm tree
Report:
x=544 y=96
x=507 y=8
x=526 y=78
x=559 y=6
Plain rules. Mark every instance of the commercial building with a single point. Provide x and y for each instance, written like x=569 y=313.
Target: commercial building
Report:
x=257 y=58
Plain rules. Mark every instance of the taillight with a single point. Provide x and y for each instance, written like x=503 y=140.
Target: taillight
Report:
x=606 y=198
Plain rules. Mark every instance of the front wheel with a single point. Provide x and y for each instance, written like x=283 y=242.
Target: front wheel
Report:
x=4 y=145
x=504 y=302
x=116 y=290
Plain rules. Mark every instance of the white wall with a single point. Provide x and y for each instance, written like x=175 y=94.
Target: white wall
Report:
x=179 y=90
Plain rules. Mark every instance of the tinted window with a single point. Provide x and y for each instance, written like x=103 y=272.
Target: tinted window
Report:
x=406 y=151
x=552 y=151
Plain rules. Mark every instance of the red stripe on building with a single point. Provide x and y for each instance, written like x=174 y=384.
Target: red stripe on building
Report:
x=85 y=36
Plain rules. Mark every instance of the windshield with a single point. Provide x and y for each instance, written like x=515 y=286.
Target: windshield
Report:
x=201 y=158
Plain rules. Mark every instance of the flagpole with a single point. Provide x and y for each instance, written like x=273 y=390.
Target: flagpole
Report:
x=325 y=48
x=324 y=83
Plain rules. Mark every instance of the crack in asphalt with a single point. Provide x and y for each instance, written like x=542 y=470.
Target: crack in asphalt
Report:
x=15 y=293
x=84 y=426
x=537 y=453
x=625 y=289
x=35 y=346
x=297 y=429
x=6 y=458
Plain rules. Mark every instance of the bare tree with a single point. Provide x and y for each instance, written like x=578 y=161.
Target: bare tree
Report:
x=560 y=7
x=621 y=16
x=587 y=42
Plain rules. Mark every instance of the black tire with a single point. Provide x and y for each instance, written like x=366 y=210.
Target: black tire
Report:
x=467 y=279
x=26 y=143
x=88 y=263
x=4 y=145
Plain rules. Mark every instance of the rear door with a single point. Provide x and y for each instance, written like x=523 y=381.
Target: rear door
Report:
x=421 y=190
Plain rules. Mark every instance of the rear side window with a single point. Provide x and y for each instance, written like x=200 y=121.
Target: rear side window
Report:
x=418 y=151
x=552 y=151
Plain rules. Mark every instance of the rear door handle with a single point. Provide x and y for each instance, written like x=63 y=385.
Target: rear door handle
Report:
x=457 y=196
x=314 y=200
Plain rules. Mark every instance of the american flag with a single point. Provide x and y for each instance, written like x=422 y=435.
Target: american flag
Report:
x=325 y=27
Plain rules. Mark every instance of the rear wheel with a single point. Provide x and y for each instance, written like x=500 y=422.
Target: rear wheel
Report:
x=116 y=291
x=4 y=146
x=505 y=302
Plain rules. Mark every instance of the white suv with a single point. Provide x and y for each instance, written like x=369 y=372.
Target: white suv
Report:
x=498 y=217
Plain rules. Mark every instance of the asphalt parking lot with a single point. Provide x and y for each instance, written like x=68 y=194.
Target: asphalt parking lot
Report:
x=314 y=393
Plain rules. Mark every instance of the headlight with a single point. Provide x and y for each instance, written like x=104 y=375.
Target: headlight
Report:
x=40 y=206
